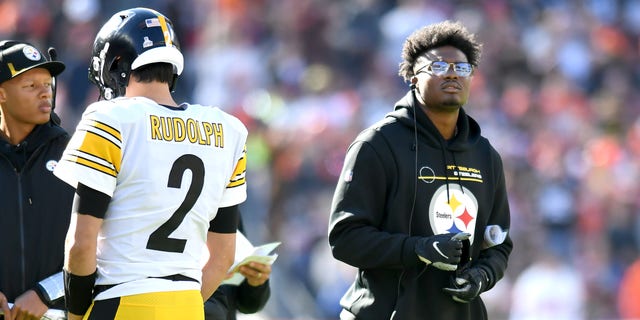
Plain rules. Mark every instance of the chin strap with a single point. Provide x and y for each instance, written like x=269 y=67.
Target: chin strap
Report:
x=53 y=55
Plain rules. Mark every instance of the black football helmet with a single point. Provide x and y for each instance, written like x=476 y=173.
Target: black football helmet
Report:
x=130 y=39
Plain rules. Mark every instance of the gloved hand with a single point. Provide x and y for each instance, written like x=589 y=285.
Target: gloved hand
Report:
x=468 y=285
x=441 y=250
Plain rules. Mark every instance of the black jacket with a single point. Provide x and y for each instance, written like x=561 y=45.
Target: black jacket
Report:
x=35 y=210
x=388 y=197
x=227 y=300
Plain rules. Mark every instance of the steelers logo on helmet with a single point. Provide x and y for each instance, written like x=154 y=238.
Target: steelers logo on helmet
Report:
x=453 y=209
x=31 y=53
x=131 y=39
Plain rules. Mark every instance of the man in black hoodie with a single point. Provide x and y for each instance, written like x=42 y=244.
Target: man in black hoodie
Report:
x=421 y=205
x=35 y=204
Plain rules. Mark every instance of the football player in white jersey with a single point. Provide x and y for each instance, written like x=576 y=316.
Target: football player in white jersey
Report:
x=157 y=183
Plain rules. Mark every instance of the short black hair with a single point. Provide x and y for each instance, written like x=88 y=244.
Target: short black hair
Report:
x=445 y=33
x=161 y=72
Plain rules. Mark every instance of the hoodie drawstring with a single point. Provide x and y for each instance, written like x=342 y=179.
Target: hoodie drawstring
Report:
x=455 y=163
x=446 y=171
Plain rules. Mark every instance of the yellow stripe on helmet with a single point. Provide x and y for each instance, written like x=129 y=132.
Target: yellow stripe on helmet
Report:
x=165 y=31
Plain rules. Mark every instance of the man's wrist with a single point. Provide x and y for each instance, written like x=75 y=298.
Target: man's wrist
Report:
x=486 y=279
x=50 y=289
x=78 y=291
x=42 y=294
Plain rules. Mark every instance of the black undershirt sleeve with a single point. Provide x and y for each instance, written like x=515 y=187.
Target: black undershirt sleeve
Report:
x=226 y=221
x=95 y=203
x=90 y=201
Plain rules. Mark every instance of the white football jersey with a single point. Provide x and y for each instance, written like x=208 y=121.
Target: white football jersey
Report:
x=167 y=172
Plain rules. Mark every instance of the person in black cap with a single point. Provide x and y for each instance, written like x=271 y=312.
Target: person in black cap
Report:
x=36 y=205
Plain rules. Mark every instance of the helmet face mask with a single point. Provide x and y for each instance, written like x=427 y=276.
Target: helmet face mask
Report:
x=131 y=39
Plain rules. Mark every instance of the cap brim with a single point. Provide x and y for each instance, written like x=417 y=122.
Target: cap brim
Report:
x=54 y=67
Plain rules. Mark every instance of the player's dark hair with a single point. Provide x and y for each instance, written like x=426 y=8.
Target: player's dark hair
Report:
x=161 y=72
x=445 y=33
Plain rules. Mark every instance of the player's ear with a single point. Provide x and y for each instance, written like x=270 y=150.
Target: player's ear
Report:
x=3 y=95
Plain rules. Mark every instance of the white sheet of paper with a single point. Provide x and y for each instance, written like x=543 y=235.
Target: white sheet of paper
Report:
x=246 y=252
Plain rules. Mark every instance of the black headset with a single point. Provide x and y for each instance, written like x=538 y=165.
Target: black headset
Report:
x=414 y=91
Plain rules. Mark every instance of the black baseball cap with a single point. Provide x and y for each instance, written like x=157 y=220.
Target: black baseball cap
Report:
x=17 y=57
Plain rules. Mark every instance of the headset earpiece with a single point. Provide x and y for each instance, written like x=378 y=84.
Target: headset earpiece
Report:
x=414 y=80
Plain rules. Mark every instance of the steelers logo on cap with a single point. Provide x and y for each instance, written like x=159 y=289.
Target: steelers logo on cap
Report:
x=31 y=53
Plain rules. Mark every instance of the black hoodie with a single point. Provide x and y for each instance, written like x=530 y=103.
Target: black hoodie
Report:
x=389 y=196
x=35 y=210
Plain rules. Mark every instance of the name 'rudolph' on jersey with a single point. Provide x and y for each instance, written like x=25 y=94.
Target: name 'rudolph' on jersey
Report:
x=158 y=164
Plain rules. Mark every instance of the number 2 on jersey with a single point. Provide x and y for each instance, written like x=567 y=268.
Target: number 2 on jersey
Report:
x=159 y=239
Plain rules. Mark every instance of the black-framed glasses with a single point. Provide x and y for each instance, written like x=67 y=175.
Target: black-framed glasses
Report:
x=440 y=68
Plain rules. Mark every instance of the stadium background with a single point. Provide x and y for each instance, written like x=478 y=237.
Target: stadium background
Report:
x=556 y=93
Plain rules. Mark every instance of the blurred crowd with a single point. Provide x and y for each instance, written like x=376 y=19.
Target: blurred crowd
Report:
x=556 y=92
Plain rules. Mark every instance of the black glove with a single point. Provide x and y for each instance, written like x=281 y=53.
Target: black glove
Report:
x=468 y=284
x=441 y=250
